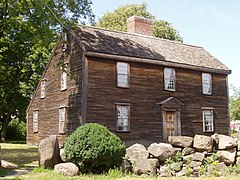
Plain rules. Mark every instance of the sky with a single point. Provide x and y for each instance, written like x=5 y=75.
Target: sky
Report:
x=211 y=24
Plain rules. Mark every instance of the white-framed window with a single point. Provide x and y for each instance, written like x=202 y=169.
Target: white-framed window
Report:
x=123 y=72
x=207 y=120
x=64 y=77
x=62 y=119
x=43 y=88
x=123 y=114
x=35 y=120
x=206 y=83
x=169 y=79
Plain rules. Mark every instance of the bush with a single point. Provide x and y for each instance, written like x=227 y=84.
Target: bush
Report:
x=94 y=148
x=16 y=130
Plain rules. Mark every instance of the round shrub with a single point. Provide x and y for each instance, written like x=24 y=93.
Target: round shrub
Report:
x=94 y=148
x=16 y=130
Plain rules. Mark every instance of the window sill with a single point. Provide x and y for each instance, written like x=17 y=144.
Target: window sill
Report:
x=171 y=90
x=63 y=90
x=119 y=131
x=123 y=87
x=208 y=131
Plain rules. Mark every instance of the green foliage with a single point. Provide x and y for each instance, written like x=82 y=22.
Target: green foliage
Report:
x=3 y=172
x=94 y=148
x=178 y=156
x=16 y=130
x=28 y=31
x=235 y=104
x=117 y=20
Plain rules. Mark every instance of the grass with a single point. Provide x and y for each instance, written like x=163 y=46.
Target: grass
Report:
x=20 y=154
x=26 y=156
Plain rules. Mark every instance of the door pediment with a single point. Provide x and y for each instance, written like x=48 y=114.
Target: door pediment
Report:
x=171 y=103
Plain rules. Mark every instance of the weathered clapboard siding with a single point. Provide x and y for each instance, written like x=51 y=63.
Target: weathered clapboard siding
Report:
x=48 y=118
x=146 y=90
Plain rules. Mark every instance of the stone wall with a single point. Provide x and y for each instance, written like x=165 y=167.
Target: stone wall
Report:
x=184 y=156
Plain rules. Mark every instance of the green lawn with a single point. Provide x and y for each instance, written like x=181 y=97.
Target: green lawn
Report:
x=26 y=156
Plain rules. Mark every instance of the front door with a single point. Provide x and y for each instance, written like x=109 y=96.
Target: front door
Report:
x=171 y=124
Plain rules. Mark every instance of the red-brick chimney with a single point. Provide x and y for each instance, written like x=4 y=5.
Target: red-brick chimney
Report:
x=140 y=25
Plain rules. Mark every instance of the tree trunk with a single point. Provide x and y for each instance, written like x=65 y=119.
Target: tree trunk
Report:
x=5 y=123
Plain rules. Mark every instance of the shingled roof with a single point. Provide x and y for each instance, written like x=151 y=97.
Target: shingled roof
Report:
x=147 y=47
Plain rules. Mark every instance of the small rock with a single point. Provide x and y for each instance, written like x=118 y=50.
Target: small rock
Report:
x=187 y=151
x=215 y=138
x=194 y=164
x=176 y=166
x=67 y=169
x=194 y=157
x=220 y=168
x=8 y=165
x=62 y=155
x=165 y=171
x=126 y=166
x=183 y=172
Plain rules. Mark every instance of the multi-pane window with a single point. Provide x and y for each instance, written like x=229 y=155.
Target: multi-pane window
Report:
x=208 y=120
x=62 y=119
x=64 y=77
x=169 y=79
x=123 y=113
x=43 y=88
x=206 y=83
x=122 y=74
x=35 y=121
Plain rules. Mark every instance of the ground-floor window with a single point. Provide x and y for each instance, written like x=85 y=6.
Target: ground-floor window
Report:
x=207 y=120
x=35 y=120
x=123 y=116
x=62 y=119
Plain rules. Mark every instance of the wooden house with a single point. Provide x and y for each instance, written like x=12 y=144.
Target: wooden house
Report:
x=140 y=87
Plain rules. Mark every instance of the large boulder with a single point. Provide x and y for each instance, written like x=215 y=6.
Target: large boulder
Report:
x=48 y=151
x=226 y=142
x=227 y=156
x=203 y=143
x=145 y=166
x=67 y=169
x=137 y=151
x=181 y=141
x=162 y=151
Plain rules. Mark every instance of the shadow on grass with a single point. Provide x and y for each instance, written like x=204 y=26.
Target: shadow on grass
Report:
x=21 y=157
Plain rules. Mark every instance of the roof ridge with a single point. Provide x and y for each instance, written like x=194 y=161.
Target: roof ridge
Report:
x=141 y=35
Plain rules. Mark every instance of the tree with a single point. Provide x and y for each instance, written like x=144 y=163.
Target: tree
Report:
x=27 y=32
x=235 y=104
x=117 y=20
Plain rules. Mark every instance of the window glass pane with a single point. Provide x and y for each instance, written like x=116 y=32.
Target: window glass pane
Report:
x=169 y=78
x=62 y=119
x=123 y=117
x=206 y=83
x=35 y=121
x=43 y=87
x=208 y=120
x=122 y=74
x=64 y=78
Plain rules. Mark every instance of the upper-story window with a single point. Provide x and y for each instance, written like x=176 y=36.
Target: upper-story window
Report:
x=123 y=114
x=43 y=88
x=169 y=79
x=64 y=77
x=207 y=120
x=206 y=83
x=62 y=119
x=35 y=120
x=122 y=74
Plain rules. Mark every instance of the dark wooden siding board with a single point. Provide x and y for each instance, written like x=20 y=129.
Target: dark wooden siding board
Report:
x=49 y=106
x=146 y=89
